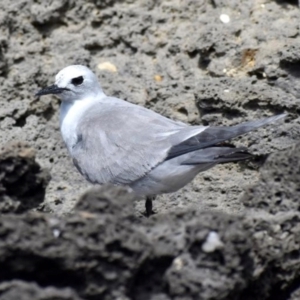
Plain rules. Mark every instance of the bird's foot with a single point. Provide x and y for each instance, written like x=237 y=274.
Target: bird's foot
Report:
x=149 y=206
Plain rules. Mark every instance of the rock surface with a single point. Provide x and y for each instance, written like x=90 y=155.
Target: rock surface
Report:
x=22 y=181
x=28 y=291
x=202 y=62
x=176 y=57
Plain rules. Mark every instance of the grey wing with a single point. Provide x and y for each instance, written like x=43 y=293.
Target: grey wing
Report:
x=121 y=143
x=215 y=135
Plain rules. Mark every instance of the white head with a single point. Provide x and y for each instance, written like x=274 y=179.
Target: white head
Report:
x=72 y=83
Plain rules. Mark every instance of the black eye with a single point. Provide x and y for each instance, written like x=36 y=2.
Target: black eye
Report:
x=77 y=80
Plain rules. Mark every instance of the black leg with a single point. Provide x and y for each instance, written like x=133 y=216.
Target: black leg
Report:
x=148 y=205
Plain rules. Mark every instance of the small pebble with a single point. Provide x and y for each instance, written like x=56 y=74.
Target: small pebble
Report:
x=178 y=263
x=212 y=242
x=158 y=78
x=56 y=233
x=224 y=18
x=107 y=66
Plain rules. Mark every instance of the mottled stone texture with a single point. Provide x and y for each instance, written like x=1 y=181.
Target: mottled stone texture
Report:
x=179 y=59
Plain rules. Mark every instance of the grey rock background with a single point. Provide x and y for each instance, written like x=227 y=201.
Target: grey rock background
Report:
x=179 y=59
x=175 y=57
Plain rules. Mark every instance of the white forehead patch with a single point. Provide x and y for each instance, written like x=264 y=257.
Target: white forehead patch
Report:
x=59 y=77
x=65 y=75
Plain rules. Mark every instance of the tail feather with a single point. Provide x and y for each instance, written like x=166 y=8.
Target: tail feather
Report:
x=215 y=135
x=217 y=155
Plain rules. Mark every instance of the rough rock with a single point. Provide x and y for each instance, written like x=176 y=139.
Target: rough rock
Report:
x=174 y=57
x=273 y=204
x=180 y=267
x=100 y=251
x=295 y=295
x=22 y=181
x=109 y=200
x=278 y=187
x=103 y=257
x=88 y=252
x=16 y=289
x=180 y=59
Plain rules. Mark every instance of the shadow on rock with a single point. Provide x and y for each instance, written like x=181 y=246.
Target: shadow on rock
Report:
x=22 y=181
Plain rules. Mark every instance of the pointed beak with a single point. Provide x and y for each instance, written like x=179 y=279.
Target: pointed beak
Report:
x=53 y=89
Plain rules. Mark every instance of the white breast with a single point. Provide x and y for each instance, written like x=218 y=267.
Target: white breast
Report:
x=70 y=114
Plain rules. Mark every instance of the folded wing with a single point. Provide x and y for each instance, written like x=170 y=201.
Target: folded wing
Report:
x=215 y=135
x=123 y=142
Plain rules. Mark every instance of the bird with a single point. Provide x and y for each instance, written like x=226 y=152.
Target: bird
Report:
x=113 y=141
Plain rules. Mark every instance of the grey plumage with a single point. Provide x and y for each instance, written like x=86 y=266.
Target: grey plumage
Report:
x=113 y=141
x=123 y=143
x=215 y=135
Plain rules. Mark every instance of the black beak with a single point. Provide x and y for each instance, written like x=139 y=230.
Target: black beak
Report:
x=53 y=89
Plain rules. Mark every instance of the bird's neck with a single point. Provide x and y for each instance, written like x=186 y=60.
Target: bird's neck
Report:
x=70 y=114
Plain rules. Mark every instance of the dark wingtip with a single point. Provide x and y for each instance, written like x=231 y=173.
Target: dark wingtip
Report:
x=216 y=135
